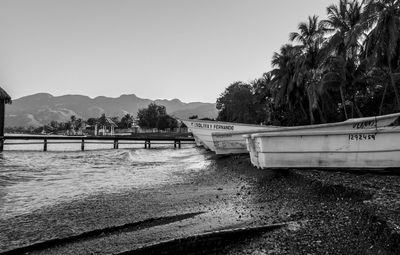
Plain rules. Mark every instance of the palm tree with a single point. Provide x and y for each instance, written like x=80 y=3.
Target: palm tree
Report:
x=310 y=39
x=262 y=94
x=126 y=121
x=344 y=26
x=284 y=64
x=383 y=17
x=307 y=74
x=288 y=86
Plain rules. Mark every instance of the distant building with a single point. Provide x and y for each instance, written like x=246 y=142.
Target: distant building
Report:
x=106 y=128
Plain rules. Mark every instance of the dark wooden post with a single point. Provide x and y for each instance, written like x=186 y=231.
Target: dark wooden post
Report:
x=2 y=114
x=147 y=144
x=179 y=144
x=45 y=144
x=115 y=143
x=4 y=99
x=83 y=145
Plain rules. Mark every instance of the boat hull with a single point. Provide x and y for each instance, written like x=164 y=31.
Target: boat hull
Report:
x=202 y=130
x=232 y=142
x=360 y=149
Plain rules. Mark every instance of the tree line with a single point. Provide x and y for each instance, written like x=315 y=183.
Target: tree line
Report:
x=343 y=66
x=75 y=124
x=154 y=116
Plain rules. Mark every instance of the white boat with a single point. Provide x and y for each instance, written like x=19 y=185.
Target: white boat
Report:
x=197 y=141
x=331 y=149
x=233 y=142
x=202 y=130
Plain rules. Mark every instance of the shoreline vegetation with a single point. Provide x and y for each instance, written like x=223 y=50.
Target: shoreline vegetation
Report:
x=345 y=65
x=152 y=119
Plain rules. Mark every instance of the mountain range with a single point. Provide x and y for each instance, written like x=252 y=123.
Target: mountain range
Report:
x=42 y=108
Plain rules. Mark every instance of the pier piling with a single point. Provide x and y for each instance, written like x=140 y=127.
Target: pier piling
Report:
x=147 y=144
x=83 y=145
x=177 y=143
x=45 y=144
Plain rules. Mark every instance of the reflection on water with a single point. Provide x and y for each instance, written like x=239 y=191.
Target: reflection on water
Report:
x=30 y=180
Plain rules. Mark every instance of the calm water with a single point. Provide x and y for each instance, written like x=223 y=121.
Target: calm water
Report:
x=30 y=180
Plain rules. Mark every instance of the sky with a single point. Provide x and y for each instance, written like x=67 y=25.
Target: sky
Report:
x=156 y=49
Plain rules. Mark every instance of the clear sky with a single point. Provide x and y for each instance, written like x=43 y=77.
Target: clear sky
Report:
x=185 y=49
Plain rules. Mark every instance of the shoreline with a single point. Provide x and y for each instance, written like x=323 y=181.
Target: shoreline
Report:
x=230 y=193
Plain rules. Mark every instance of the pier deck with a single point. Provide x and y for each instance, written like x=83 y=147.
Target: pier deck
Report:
x=114 y=140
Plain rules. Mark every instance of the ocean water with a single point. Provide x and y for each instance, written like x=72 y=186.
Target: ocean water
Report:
x=31 y=179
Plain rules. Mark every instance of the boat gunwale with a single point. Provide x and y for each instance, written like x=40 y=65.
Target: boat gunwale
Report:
x=306 y=127
x=327 y=151
x=222 y=122
x=288 y=133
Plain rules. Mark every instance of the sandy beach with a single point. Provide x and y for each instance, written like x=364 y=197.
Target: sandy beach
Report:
x=328 y=213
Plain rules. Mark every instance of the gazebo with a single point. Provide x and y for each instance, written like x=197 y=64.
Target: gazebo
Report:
x=107 y=127
x=4 y=99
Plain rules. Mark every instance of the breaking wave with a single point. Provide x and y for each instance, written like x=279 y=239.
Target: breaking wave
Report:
x=30 y=180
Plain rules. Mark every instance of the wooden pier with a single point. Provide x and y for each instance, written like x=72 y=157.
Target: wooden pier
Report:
x=82 y=140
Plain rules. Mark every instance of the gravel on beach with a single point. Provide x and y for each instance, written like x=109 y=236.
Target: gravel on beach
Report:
x=330 y=213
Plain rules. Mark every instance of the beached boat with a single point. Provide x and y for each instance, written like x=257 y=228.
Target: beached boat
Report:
x=202 y=130
x=233 y=142
x=329 y=149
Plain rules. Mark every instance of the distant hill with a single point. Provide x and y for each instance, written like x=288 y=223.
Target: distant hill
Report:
x=39 y=109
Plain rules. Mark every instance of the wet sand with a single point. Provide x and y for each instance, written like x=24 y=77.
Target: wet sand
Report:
x=330 y=212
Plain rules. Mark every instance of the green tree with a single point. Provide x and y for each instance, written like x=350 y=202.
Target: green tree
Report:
x=307 y=75
x=166 y=121
x=289 y=94
x=345 y=29
x=126 y=121
x=102 y=121
x=235 y=104
x=72 y=122
x=78 y=124
x=262 y=98
x=155 y=116
x=54 y=125
x=383 y=18
x=92 y=121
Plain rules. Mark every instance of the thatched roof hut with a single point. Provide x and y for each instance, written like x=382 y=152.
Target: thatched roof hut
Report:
x=4 y=99
x=4 y=96
x=110 y=122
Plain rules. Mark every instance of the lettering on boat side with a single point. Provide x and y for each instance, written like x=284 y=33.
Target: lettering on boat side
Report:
x=212 y=126
x=365 y=124
x=359 y=137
